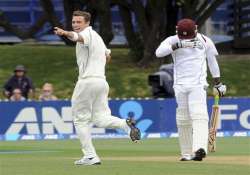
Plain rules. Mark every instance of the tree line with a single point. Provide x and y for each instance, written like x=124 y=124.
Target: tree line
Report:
x=154 y=20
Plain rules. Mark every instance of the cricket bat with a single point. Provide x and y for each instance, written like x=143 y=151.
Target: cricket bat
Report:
x=213 y=125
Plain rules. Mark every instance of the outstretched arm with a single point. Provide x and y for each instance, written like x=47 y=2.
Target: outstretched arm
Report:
x=73 y=36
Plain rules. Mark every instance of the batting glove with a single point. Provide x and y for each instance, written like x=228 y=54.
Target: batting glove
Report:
x=193 y=43
x=220 y=89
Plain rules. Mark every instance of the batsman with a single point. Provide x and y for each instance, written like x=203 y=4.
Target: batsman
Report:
x=192 y=52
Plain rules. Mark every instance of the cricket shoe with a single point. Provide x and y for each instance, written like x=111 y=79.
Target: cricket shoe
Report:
x=199 y=155
x=135 y=133
x=186 y=157
x=88 y=161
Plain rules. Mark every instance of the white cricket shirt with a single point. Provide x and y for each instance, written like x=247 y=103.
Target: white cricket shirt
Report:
x=190 y=64
x=91 y=58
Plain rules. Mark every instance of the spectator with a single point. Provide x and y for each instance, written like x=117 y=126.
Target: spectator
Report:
x=21 y=81
x=47 y=93
x=17 y=95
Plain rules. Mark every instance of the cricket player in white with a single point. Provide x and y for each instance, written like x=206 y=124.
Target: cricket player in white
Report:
x=90 y=96
x=191 y=51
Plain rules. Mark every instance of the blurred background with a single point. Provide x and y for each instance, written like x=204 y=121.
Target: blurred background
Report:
x=24 y=14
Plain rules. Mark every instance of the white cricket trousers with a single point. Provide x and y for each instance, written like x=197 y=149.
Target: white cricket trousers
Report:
x=90 y=106
x=191 y=118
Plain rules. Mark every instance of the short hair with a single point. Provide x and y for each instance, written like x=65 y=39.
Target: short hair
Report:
x=17 y=90
x=48 y=86
x=86 y=15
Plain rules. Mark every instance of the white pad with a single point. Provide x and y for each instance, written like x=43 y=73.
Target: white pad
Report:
x=199 y=118
x=200 y=135
x=184 y=125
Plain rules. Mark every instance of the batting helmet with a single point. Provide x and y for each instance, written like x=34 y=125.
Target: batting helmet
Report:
x=186 y=29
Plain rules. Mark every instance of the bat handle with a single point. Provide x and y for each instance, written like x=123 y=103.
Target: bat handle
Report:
x=216 y=100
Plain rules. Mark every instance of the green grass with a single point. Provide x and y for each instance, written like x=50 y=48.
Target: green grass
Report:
x=149 y=157
x=236 y=73
x=56 y=64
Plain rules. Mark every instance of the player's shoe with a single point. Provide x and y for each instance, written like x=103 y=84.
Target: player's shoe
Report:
x=135 y=133
x=186 y=157
x=88 y=161
x=199 y=155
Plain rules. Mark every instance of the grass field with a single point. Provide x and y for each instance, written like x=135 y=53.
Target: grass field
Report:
x=57 y=65
x=121 y=157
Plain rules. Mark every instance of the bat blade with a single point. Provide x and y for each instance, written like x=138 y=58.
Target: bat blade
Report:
x=213 y=128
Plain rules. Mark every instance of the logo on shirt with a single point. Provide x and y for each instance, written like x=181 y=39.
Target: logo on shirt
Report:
x=198 y=44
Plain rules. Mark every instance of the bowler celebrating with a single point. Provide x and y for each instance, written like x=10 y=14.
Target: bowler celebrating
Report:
x=191 y=51
x=90 y=96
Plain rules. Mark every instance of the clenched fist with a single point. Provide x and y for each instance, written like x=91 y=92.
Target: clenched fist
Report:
x=59 y=31
x=189 y=43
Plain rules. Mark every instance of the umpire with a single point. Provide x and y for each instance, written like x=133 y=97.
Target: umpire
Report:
x=19 y=80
